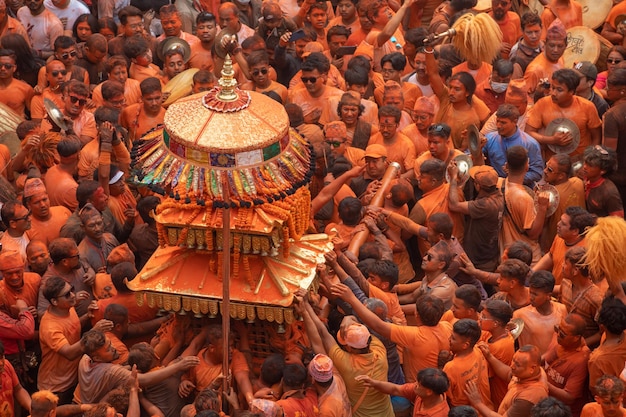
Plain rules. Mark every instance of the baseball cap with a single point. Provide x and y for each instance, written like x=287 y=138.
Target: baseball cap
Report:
x=321 y=368
x=586 y=69
x=375 y=151
x=484 y=175
x=357 y=336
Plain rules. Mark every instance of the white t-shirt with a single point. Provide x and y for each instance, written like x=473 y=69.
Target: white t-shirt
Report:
x=69 y=14
x=42 y=29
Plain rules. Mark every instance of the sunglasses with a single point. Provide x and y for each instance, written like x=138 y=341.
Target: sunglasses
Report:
x=613 y=61
x=334 y=143
x=601 y=150
x=66 y=294
x=422 y=117
x=80 y=101
x=260 y=71
x=7 y=66
x=311 y=80
x=438 y=128
x=66 y=55
x=17 y=219
x=56 y=73
x=205 y=15
x=560 y=332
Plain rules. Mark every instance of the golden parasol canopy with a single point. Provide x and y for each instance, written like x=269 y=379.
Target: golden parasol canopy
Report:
x=226 y=139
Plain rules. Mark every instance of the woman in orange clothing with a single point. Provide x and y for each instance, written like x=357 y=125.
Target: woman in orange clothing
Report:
x=459 y=108
x=493 y=320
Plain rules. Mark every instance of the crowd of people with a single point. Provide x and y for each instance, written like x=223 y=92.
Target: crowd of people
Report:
x=489 y=285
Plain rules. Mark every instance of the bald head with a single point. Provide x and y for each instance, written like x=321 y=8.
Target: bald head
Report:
x=228 y=8
x=533 y=354
x=54 y=64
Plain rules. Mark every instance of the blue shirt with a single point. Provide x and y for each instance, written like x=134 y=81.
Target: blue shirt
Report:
x=495 y=151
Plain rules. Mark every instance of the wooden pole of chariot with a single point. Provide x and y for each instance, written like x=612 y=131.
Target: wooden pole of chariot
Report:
x=378 y=200
x=226 y=286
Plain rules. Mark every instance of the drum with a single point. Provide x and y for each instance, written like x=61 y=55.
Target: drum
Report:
x=12 y=141
x=179 y=86
x=483 y=6
x=595 y=12
x=605 y=47
x=582 y=45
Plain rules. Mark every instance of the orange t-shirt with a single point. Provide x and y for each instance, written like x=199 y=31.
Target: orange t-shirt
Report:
x=570 y=16
x=511 y=28
x=393 y=304
x=201 y=58
x=557 y=250
x=37 y=110
x=29 y=292
x=419 y=141
x=121 y=348
x=503 y=349
x=421 y=346
x=56 y=373
x=140 y=73
x=17 y=96
x=132 y=93
x=540 y=68
x=61 y=188
x=581 y=111
x=48 y=230
x=136 y=314
x=532 y=390
x=309 y=104
x=410 y=93
x=401 y=150
x=481 y=74
x=459 y=120
x=436 y=201
x=134 y=119
x=85 y=125
x=203 y=374
x=460 y=370
x=278 y=88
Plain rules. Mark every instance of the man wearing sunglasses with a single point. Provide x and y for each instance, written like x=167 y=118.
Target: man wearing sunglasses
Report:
x=15 y=93
x=64 y=51
x=566 y=363
x=55 y=75
x=75 y=96
x=66 y=263
x=60 y=339
x=16 y=219
x=316 y=94
x=260 y=73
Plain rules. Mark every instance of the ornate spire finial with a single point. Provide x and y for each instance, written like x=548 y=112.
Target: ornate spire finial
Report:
x=227 y=82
